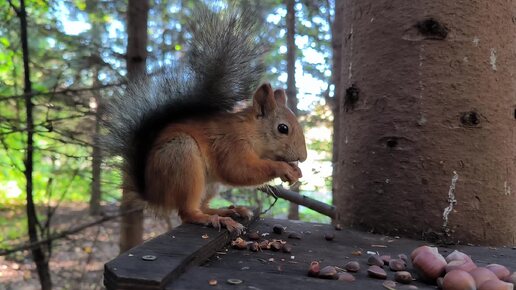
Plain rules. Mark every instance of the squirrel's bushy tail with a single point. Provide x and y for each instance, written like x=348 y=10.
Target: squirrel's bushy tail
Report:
x=222 y=66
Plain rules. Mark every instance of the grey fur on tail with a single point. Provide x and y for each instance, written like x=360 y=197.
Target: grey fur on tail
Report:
x=222 y=66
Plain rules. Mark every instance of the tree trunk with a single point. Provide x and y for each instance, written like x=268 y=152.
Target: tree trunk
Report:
x=427 y=121
x=96 y=156
x=338 y=96
x=38 y=253
x=293 y=211
x=131 y=228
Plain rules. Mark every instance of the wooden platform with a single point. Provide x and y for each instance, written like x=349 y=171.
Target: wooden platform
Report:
x=189 y=256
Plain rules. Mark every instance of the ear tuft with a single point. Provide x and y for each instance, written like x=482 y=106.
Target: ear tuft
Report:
x=264 y=100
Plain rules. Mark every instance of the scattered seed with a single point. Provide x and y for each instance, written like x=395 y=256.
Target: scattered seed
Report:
x=397 y=265
x=234 y=281
x=264 y=245
x=391 y=285
x=213 y=282
x=278 y=229
x=314 y=269
x=205 y=236
x=254 y=236
x=376 y=272
x=385 y=259
x=346 y=277
x=403 y=257
x=254 y=247
x=294 y=235
x=329 y=236
x=239 y=243
x=271 y=259
x=275 y=246
x=328 y=272
x=403 y=277
x=356 y=253
x=352 y=266
x=375 y=260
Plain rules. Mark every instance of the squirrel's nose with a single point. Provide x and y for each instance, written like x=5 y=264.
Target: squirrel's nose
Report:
x=303 y=156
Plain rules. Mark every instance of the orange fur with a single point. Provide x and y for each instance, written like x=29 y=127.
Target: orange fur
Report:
x=240 y=149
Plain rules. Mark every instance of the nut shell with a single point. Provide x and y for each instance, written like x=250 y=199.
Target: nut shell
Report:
x=459 y=280
x=352 y=266
x=346 y=277
x=375 y=260
x=418 y=250
x=466 y=265
x=376 y=272
x=496 y=285
x=482 y=275
x=314 y=269
x=429 y=265
x=397 y=265
x=500 y=271
x=457 y=255
x=328 y=272
x=403 y=277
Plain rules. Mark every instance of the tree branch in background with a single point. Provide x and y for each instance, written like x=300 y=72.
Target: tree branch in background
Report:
x=61 y=92
x=294 y=197
x=64 y=234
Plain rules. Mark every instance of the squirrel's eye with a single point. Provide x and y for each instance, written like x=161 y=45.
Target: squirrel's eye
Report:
x=283 y=129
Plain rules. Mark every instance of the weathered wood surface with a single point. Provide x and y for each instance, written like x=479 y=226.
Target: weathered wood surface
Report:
x=174 y=252
x=267 y=269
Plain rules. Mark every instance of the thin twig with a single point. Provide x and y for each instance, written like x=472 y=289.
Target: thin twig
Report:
x=320 y=207
x=61 y=92
x=65 y=234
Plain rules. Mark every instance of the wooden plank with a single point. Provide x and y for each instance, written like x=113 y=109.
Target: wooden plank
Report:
x=174 y=253
x=259 y=272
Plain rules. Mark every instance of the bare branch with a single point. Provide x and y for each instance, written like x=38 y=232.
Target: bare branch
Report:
x=64 y=234
x=16 y=9
x=61 y=92
x=320 y=207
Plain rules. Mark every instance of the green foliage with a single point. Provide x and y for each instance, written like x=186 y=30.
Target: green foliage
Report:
x=78 y=44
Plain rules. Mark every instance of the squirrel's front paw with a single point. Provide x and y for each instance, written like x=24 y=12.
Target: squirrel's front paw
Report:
x=289 y=172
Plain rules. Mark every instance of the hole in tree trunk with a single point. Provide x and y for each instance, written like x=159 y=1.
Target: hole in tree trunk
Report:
x=432 y=28
x=391 y=143
x=352 y=95
x=470 y=119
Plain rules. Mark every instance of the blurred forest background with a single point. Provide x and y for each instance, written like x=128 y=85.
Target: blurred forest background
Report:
x=53 y=175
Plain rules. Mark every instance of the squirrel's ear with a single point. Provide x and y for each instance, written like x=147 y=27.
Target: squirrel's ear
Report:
x=281 y=97
x=263 y=100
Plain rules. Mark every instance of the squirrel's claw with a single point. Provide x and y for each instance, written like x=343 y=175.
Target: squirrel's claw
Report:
x=244 y=212
x=229 y=223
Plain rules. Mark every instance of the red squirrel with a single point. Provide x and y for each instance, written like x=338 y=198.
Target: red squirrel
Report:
x=179 y=132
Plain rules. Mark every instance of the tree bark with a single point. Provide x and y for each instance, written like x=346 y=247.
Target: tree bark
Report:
x=38 y=253
x=293 y=211
x=338 y=96
x=131 y=228
x=427 y=120
x=96 y=155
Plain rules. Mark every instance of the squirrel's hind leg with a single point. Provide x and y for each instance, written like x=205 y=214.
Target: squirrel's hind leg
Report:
x=212 y=190
x=176 y=173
